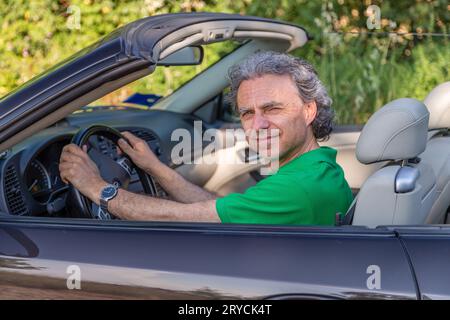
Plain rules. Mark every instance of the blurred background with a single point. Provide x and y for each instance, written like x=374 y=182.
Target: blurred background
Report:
x=366 y=52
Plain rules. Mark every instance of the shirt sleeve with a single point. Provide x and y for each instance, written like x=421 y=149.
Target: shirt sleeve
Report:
x=278 y=199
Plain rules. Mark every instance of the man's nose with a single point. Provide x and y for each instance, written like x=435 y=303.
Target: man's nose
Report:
x=260 y=122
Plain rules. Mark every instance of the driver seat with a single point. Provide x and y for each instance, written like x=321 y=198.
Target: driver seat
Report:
x=403 y=191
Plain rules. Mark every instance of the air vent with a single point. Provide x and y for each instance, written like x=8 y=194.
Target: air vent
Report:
x=14 y=197
x=143 y=134
x=110 y=149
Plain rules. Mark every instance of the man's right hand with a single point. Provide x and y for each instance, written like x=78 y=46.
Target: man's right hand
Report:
x=171 y=181
x=139 y=152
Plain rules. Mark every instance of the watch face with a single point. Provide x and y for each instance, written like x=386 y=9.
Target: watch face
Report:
x=108 y=192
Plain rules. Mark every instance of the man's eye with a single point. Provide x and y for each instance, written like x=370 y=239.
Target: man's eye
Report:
x=273 y=110
x=245 y=113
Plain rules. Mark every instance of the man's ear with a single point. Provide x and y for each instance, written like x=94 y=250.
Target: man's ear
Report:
x=310 y=110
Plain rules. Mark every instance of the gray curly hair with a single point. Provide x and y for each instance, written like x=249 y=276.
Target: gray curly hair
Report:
x=309 y=86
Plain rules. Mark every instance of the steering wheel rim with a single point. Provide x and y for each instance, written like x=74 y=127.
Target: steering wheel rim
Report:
x=78 y=205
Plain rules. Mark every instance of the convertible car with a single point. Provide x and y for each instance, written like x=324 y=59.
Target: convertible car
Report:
x=393 y=243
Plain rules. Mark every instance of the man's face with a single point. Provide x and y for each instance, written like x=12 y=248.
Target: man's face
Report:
x=272 y=103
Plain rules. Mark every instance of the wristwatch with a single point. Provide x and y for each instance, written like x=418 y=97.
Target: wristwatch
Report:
x=108 y=193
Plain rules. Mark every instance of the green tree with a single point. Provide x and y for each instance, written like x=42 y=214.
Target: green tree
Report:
x=362 y=72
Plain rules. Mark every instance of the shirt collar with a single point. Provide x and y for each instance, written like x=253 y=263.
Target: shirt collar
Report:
x=321 y=154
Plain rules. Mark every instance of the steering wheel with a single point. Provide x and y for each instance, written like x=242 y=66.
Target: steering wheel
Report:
x=114 y=172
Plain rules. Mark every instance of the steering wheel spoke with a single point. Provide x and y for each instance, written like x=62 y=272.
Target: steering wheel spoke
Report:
x=126 y=165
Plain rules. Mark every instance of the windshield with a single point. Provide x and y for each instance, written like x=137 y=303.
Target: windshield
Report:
x=143 y=93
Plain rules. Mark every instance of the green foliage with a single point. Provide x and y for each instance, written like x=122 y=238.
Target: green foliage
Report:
x=361 y=72
x=364 y=73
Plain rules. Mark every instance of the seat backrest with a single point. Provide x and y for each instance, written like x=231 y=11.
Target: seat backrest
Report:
x=437 y=152
x=438 y=104
x=404 y=191
x=437 y=156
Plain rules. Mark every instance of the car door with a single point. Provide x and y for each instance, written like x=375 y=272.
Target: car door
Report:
x=429 y=251
x=79 y=259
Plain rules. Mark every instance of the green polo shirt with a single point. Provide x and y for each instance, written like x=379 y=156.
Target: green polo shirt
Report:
x=308 y=190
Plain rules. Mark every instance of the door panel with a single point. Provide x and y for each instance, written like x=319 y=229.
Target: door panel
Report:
x=429 y=249
x=187 y=261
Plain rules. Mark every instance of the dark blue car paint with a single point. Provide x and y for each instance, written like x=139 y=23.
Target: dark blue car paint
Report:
x=184 y=260
x=143 y=99
x=429 y=250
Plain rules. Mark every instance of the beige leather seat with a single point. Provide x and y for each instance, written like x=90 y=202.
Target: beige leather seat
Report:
x=437 y=152
x=402 y=192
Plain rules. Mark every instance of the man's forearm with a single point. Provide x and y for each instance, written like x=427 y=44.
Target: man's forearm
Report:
x=131 y=206
x=179 y=188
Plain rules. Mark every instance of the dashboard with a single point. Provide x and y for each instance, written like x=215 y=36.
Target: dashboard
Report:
x=42 y=174
x=31 y=184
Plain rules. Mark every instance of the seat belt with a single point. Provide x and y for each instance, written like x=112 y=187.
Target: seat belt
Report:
x=347 y=219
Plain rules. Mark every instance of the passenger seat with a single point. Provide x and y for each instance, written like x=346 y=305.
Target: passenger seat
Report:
x=437 y=152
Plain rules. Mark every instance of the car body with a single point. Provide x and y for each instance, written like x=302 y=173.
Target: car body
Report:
x=42 y=251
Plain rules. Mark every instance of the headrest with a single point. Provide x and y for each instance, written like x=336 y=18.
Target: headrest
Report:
x=438 y=103
x=397 y=131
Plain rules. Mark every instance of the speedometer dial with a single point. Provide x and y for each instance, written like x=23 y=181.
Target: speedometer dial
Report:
x=38 y=181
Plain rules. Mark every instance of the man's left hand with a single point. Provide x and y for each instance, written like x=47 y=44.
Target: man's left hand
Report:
x=77 y=168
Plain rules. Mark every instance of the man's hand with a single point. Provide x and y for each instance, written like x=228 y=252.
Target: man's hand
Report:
x=139 y=152
x=172 y=182
x=76 y=167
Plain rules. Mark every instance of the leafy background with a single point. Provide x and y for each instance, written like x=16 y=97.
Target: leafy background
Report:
x=361 y=71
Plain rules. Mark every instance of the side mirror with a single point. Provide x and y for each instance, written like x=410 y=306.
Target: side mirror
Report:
x=188 y=56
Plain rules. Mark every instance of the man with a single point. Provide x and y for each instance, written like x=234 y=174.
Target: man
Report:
x=273 y=92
